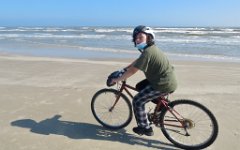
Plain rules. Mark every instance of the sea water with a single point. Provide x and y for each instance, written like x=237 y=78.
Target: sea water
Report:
x=187 y=43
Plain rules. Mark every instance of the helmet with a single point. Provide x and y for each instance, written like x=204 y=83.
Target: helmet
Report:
x=143 y=29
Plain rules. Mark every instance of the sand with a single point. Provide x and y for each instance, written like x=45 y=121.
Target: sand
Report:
x=45 y=103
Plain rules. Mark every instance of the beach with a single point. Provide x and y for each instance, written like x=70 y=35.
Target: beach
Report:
x=45 y=103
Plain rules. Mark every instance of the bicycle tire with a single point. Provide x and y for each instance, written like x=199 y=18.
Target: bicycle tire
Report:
x=196 y=125
x=119 y=117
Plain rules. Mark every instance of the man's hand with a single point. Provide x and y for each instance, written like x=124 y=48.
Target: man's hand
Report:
x=114 y=80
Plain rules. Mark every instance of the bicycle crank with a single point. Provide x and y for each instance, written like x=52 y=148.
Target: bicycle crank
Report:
x=188 y=124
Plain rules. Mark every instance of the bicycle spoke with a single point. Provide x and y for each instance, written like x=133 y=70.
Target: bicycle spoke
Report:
x=196 y=129
x=109 y=115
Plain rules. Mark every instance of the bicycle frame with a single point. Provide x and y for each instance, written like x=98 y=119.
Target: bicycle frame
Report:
x=125 y=87
x=162 y=102
x=182 y=121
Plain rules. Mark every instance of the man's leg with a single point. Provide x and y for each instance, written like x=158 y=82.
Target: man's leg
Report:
x=139 y=101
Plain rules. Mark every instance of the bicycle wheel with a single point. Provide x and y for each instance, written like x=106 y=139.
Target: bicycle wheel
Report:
x=200 y=126
x=111 y=117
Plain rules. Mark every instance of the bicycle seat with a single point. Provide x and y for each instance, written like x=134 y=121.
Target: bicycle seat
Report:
x=156 y=101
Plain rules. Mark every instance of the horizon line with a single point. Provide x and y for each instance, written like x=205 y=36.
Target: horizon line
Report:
x=162 y=26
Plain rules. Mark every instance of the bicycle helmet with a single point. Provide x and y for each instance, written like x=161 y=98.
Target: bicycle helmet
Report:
x=115 y=74
x=143 y=29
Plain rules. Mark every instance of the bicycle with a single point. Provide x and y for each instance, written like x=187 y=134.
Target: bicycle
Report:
x=186 y=123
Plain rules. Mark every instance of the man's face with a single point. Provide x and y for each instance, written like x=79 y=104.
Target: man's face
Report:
x=141 y=37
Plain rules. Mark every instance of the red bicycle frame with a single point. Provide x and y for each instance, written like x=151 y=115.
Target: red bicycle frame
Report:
x=162 y=102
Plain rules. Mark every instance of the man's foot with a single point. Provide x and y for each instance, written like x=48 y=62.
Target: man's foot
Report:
x=145 y=131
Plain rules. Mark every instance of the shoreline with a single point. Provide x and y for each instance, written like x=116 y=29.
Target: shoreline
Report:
x=120 y=59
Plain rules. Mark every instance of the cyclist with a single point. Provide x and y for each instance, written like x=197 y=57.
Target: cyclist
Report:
x=160 y=77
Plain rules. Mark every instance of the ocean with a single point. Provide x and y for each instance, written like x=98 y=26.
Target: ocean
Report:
x=184 y=43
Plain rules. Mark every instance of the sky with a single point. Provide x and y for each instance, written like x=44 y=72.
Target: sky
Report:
x=169 y=13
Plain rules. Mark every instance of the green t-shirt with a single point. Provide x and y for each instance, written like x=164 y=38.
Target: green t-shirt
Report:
x=157 y=69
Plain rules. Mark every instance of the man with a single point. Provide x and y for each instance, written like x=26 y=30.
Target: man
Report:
x=160 y=77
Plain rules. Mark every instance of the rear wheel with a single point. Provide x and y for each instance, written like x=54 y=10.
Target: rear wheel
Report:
x=116 y=117
x=198 y=128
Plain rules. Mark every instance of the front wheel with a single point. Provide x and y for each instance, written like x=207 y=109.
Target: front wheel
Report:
x=110 y=112
x=188 y=124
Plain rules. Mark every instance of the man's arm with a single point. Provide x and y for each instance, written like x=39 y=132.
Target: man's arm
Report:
x=130 y=64
x=130 y=71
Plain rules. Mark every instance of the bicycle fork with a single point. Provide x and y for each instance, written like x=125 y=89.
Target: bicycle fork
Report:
x=118 y=94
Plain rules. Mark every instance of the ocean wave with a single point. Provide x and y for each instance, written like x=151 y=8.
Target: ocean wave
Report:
x=112 y=50
x=12 y=30
x=182 y=39
x=61 y=45
x=205 y=57
x=237 y=37
x=41 y=29
x=105 y=30
x=63 y=28
x=67 y=29
x=198 y=31
x=234 y=39
x=126 y=30
x=23 y=27
x=48 y=35
x=67 y=36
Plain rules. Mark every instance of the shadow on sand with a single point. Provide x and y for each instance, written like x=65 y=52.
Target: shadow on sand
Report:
x=76 y=130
